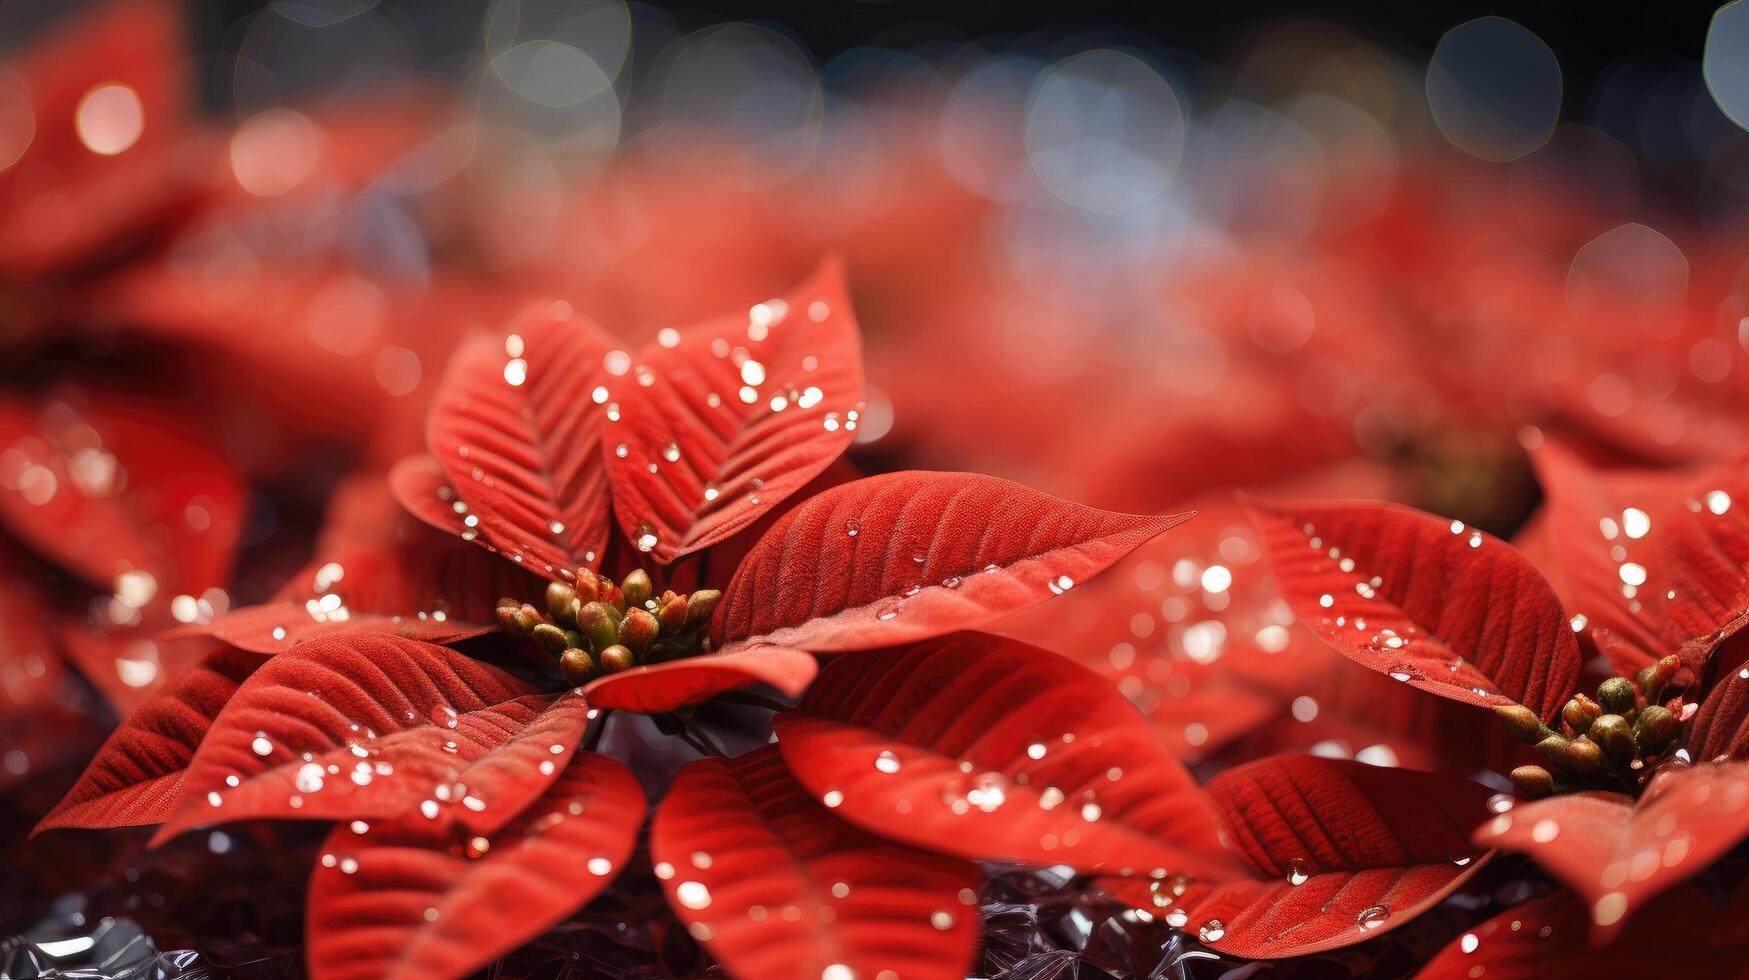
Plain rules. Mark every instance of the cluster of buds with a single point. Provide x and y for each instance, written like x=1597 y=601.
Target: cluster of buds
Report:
x=1613 y=741
x=594 y=627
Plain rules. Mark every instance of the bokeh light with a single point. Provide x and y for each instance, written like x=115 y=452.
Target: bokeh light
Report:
x=1494 y=88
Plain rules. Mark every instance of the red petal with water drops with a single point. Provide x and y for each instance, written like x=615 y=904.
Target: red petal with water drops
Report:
x=122 y=495
x=515 y=425
x=907 y=556
x=990 y=749
x=1193 y=630
x=664 y=687
x=1618 y=854
x=742 y=848
x=1654 y=559
x=369 y=726
x=378 y=570
x=1428 y=601
x=412 y=899
x=723 y=420
x=1548 y=937
x=1340 y=852
x=1720 y=729
x=97 y=145
x=135 y=777
x=421 y=486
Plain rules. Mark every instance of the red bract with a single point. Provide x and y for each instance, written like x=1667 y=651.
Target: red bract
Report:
x=437 y=766
x=1193 y=629
x=414 y=897
x=1432 y=603
x=1653 y=562
x=1335 y=851
x=779 y=887
x=122 y=495
x=1550 y=937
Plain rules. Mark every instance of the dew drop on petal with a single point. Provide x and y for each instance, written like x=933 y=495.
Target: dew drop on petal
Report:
x=1298 y=872
x=1372 y=917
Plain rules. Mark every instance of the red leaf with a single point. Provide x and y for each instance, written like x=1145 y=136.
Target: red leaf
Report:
x=1428 y=601
x=730 y=417
x=129 y=665
x=114 y=488
x=1720 y=729
x=1654 y=561
x=135 y=777
x=908 y=556
x=990 y=749
x=1547 y=938
x=741 y=848
x=664 y=687
x=72 y=205
x=1192 y=629
x=1339 y=852
x=377 y=570
x=369 y=726
x=515 y=425
x=414 y=898
x=423 y=488
x=1616 y=853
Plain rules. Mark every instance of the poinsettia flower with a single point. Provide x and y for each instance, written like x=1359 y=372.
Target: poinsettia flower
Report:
x=566 y=458
x=1645 y=784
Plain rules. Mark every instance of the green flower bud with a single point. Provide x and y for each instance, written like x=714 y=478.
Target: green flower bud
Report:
x=1580 y=713
x=1521 y=722
x=599 y=625
x=506 y=613
x=1616 y=738
x=637 y=588
x=615 y=659
x=1652 y=679
x=549 y=637
x=700 y=605
x=559 y=599
x=588 y=585
x=1584 y=756
x=672 y=614
x=527 y=618
x=1534 y=782
x=577 y=666
x=1554 y=749
x=1616 y=695
x=1656 y=728
x=638 y=630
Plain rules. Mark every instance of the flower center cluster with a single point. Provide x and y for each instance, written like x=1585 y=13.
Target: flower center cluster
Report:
x=1615 y=741
x=595 y=627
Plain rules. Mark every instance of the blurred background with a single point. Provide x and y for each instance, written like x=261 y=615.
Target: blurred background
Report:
x=1136 y=255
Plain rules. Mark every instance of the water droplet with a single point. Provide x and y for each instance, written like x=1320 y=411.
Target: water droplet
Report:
x=1212 y=931
x=693 y=895
x=1298 y=872
x=887 y=762
x=645 y=538
x=852 y=527
x=1372 y=917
